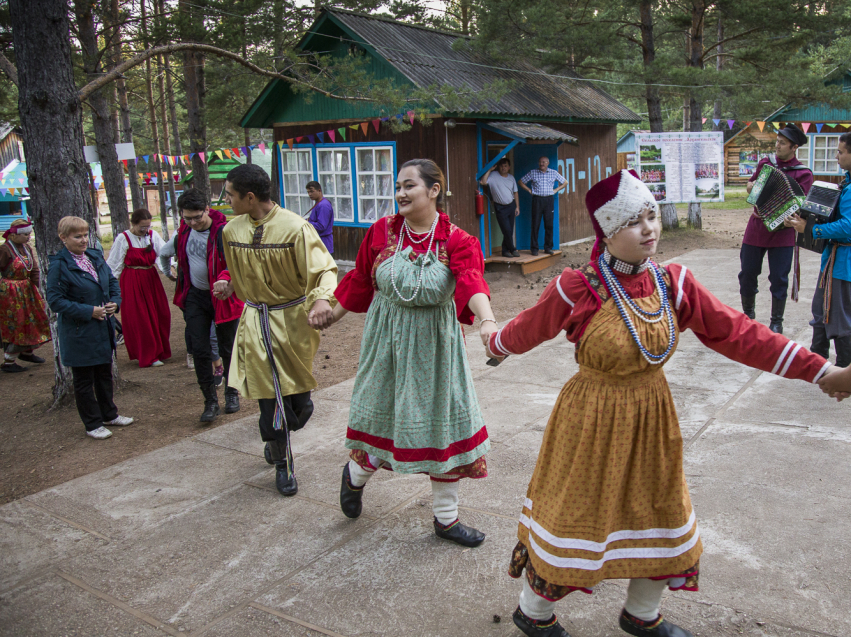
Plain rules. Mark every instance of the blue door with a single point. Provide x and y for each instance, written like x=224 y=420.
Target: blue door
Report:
x=526 y=158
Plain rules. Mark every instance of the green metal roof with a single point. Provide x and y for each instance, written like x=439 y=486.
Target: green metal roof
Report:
x=817 y=113
x=218 y=169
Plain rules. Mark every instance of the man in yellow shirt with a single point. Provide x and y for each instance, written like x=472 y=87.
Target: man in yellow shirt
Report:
x=280 y=268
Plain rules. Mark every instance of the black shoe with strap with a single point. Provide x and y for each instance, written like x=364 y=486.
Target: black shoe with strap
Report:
x=211 y=404
x=537 y=627
x=350 y=496
x=286 y=484
x=458 y=533
x=12 y=368
x=657 y=628
x=29 y=357
x=231 y=400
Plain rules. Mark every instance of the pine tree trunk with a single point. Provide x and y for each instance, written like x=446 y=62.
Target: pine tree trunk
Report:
x=193 y=73
x=113 y=175
x=51 y=118
x=171 y=192
x=247 y=146
x=172 y=112
x=152 y=111
x=695 y=110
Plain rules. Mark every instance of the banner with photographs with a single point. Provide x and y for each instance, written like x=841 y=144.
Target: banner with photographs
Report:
x=682 y=167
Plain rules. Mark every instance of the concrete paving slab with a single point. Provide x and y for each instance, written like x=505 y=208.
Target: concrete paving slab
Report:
x=320 y=473
x=252 y=622
x=340 y=391
x=196 y=566
x=329 y=421
x=400 y=579
x=139 y=494
x=32 y=541
x=54 y=606
x=770 y=502
x=509 y=407
x=544 y=366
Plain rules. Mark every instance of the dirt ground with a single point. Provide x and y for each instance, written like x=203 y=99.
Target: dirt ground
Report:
x=42 y=447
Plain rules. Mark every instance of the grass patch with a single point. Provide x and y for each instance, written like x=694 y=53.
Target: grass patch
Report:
x=734 y=199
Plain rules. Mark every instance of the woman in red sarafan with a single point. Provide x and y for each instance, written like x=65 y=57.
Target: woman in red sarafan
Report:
x=608 y=498
x=146 y=319
x=23 y=314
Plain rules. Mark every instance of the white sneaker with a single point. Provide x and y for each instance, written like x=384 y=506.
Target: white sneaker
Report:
x=120 y=421
x=190 y=361
x=101 y=433
x=157 y=364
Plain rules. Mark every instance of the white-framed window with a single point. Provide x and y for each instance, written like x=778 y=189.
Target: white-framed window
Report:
x=376 y=190
x=334 y=168
x=297 y=171
x=803 y=154
x=824 y=154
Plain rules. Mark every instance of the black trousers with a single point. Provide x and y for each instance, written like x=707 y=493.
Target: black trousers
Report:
x=199 y=316
x=93 y=394
x=779 y=266
x=542 y=208
x=297 y=411
x=505 y=219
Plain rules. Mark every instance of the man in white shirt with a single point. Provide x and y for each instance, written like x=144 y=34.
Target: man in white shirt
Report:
x=542 y=180
x=503 y=189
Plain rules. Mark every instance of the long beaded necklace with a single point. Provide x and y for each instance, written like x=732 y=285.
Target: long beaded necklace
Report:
x=430 y=237
x=26 y=259
x=622 y=298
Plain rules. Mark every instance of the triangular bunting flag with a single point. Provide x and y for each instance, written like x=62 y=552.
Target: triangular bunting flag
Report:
x=145 y=157
x=730 y=123
x=191 y=155
x=298 y=139
x=704 y=120
x=203 y=157
x=364 y=127
x=376 y=123
x=262 y=147
x=819 y=127
x=235 y=151
x=716 y=121
x=761 y=126
x=11 y=191
x=154 y=180
x=355 y=126
x=22 y=181
x=805 y=126
x=384 y=119
x=342 y=132
x=330 y=134
x=4 y=191
x=411 y=116
x=777 y=125
x=748 y=124
x=321 y=137
x=290 y=143
x=311 y=139
x=245 y=149
x=226 y=151
x=124 y=161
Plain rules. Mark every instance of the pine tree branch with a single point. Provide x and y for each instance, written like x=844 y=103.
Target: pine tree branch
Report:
x=9 y=69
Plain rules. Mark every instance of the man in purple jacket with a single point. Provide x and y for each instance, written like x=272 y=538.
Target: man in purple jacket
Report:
x=321 y=215
x=779 y=244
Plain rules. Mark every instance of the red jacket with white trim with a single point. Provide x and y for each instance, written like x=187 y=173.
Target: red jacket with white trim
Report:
x=569 y=303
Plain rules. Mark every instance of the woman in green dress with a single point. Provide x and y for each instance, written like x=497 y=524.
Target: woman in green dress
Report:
x=414 y=408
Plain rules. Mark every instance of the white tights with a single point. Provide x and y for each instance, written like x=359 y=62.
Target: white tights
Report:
x=444 y=494
x=643 y=599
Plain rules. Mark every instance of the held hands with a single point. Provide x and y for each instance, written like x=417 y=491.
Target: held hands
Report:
x=222 y=289
x=321 y=315
x=485 y=330
x=796 y=222
x=836 y=383
x=111 y=308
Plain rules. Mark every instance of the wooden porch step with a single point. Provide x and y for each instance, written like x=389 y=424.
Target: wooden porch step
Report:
x=525 y=263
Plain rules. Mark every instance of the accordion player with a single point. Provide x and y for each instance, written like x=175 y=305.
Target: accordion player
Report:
x=776 y=196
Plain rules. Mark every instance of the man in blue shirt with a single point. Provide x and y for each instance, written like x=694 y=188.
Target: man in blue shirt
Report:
x=542 y=180
x=321 y=215
x=832 y=300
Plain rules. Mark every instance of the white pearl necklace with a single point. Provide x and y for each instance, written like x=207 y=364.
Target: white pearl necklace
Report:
x=430 y=237
x=26 y=259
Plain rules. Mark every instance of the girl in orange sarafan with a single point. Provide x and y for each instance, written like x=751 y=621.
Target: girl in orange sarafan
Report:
x=608 y=498
x=23 y=314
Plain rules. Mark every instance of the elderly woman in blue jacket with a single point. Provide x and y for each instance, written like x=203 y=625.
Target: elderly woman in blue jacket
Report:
x=85 y=295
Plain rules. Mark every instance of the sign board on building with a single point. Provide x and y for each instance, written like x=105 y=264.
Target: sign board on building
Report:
x=682 y=167
x=125 y=151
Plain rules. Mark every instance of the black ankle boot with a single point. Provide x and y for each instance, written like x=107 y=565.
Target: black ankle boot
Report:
x=658 y=628
x=458 y=533
x=778 y=308
x=749 y=306
x=211 y=403
x=538 y=628
x=286 y=484
x=350 y=496
x=231 y=400
x=821 y=343
x=843 y=351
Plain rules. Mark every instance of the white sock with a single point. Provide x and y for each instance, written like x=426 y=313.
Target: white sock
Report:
x=445 y=504
x=358 y=474
x=9 y=358
x=533 y=605
x=644 y=597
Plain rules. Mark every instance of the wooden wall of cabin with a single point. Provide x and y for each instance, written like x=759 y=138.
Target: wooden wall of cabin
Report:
x=10 y=149
x=420 y=141
x=750 y=139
